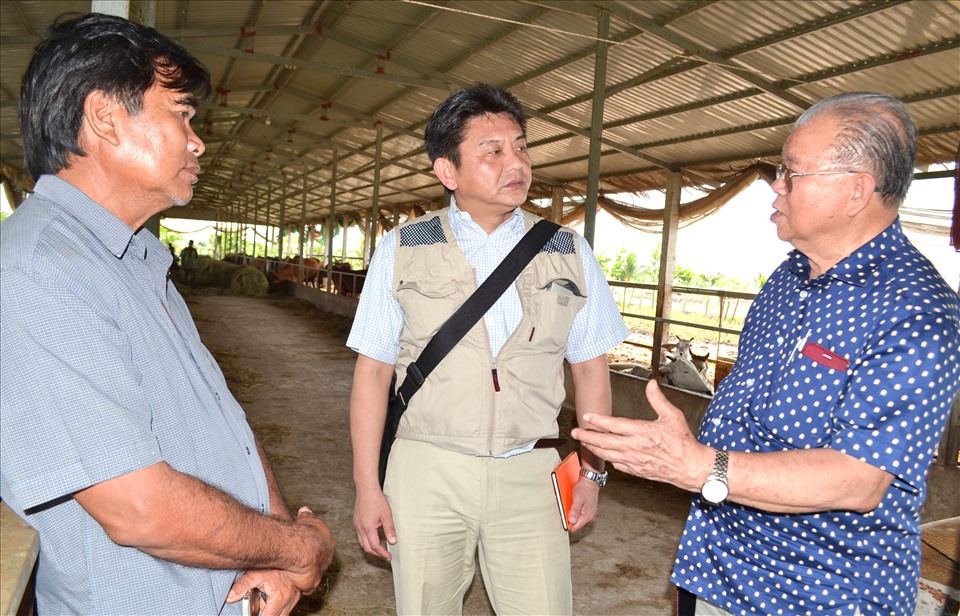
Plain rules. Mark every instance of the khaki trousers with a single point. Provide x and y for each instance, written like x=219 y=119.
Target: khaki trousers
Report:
x=449 y=507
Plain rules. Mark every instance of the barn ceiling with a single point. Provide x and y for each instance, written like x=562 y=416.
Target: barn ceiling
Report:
x=310 y=95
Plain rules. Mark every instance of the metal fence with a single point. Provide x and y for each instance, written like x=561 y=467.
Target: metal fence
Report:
x=716 y=311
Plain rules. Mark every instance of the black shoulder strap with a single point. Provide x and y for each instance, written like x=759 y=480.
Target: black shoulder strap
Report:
x=457 y=326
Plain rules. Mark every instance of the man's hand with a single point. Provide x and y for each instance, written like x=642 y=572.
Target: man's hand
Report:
x=307 y=577
x=281 y=593
x=583 y=509
x=284 y=588
x=371 y=512
x=663 y=450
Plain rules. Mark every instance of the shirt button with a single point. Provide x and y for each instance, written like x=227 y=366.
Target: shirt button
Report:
x=803 y=295
x=748 y=383
x=779 y=339
x=248 y=451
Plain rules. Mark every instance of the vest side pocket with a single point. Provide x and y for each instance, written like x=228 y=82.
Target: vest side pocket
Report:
x=427 y=303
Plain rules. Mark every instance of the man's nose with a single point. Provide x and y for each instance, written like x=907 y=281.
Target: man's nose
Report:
x=195 y=144
x=779 y=186
x=516 y=159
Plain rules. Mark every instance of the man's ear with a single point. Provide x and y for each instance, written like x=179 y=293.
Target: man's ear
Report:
x=863 y=192
x=100 y=115
x=446 y=173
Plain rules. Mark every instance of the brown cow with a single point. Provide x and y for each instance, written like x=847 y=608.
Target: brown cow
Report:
x=346 y=280
x=291 y=273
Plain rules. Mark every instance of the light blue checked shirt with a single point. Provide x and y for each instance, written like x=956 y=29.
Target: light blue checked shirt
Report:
x=597 y=328
x=103 y=373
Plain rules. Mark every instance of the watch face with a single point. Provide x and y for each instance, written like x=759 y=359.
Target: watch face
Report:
x=714 y=490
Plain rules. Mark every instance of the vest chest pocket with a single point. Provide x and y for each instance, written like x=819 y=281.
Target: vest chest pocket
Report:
x=558 y=301
x=427 y=303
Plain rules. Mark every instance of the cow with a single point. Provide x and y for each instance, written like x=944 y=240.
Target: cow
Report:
x=290 y=272
x=680 y=372
x=346 y=280
x=684 y=348
x=700 y=362
x=631 y=369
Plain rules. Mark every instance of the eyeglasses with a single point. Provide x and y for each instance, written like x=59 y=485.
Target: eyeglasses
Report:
x=787 y=174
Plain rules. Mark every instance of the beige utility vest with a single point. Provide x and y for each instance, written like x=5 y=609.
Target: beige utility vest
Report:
x=468 y=403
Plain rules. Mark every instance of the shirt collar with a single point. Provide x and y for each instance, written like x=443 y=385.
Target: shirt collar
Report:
x=461 y=221
x=857 y=267
x=112 y=232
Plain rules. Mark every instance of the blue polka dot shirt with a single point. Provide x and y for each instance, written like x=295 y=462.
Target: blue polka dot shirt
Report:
x=862 y=359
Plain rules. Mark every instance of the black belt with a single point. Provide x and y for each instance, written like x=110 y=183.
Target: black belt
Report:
x=549 y=443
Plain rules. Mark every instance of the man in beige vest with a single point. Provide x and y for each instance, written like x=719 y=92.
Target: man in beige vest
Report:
x=465 y=475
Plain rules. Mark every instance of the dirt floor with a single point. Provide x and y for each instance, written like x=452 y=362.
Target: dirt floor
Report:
x=287 y=364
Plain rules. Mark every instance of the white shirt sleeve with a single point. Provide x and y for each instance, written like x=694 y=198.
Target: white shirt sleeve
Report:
x=599 y=326
x=379 y=319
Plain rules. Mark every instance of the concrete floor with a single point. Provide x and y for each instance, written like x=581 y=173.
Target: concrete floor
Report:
x=287 y=365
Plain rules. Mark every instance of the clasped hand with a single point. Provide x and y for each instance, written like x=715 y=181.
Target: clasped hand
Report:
x=284 y=587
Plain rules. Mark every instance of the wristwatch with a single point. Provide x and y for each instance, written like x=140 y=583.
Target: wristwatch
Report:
x=715 y=489
x=598 y=478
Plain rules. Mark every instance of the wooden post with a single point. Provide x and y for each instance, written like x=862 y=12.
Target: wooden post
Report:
x=668 y=257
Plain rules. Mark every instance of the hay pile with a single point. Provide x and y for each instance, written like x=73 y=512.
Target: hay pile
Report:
x=241 y=279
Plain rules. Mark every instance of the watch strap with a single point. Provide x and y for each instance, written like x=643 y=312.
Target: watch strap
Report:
x=720 y=462
x=598 y=478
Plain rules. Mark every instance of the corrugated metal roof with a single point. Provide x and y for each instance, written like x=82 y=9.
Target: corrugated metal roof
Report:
x=706 y=87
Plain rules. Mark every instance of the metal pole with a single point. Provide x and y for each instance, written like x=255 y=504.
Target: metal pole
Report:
x=256 y=216
x=596 y=126
x=217 y=238
x=303 y=224
x=283 y=218
x=268 y=231
x=371 y=244
x=331 y=217
x=243 y=224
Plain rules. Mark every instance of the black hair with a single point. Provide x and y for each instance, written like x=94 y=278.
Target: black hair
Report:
x=448 y=123
x=93 y=52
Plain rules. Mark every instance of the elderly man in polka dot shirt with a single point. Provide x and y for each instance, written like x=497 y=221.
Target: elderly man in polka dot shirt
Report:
x=810 y=464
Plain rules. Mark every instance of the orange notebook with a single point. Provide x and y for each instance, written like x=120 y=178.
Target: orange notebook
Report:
x=564 y=477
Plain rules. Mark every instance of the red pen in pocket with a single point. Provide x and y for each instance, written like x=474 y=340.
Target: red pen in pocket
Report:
x=825 y=357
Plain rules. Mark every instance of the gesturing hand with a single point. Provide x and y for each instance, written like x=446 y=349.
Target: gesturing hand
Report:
x=662 y=450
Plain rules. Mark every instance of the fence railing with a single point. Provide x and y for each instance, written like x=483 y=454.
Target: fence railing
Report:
x=722 y=317
x=949 y=447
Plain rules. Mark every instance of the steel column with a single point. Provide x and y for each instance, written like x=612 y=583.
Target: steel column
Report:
x=596 y=126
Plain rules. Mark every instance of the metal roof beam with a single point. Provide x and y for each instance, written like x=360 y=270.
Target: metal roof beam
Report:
x=314 y=66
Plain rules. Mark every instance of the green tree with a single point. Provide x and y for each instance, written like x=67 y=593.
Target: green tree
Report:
x=683 y=276
x=604 y=260
x=625 y=266
x=708 y=281
x=172 y=237
x=650 y=271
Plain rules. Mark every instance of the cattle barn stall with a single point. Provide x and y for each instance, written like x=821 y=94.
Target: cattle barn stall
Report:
x=319 y=105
